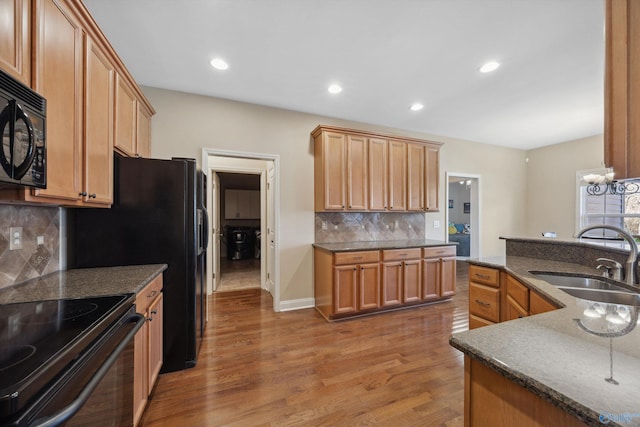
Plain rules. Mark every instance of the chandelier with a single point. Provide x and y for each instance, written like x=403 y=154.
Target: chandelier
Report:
x=599 y=185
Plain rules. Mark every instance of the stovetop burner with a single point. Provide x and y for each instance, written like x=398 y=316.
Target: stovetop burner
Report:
x=38 y=339
x=13 y=355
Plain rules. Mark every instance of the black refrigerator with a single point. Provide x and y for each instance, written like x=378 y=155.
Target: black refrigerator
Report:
x=158 y=217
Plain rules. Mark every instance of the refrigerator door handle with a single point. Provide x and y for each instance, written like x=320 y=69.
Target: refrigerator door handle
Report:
x=205 y=230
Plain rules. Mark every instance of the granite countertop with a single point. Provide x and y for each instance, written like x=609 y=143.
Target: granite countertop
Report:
x=84 y=282
x=551 y=356
x=380 y=244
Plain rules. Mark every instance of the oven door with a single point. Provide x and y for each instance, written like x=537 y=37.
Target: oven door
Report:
x=97 y=388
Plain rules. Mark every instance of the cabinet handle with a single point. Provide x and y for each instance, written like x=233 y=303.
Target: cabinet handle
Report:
x=483 y=276
x=83 y=194
x=154 y=311
x=92 y=196
x=520 y=316
x=357 y=257
x=405 y=254
x=152 y=294
x=482 y=303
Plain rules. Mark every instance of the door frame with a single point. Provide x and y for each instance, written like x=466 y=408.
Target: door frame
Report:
x=475 y=217
x=209 y=156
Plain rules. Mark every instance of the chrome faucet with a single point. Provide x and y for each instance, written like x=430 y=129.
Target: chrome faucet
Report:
x=630 y=270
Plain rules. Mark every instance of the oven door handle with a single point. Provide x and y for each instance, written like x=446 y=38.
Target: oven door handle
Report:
x=64 y=414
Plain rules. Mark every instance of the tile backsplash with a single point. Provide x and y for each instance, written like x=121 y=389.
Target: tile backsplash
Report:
x=366 y=226
x=32 y=260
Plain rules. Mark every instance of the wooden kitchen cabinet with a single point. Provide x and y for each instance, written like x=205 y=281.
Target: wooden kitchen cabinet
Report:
x=126 y=116
x=397 y=176
x=438 y=272
x=401 y=276
x=341 y=171
x=622 y=87
x=361 y=171
x=98 y=126
x=143 y=139
x=15 y=39
x=516 y=299
x=378 y=174
x=147 y=346
x=539 y=304
x=484 y=296
x=74 y=67
x=490 y=399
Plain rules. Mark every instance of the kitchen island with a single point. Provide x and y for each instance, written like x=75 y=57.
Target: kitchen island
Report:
x=545 y=367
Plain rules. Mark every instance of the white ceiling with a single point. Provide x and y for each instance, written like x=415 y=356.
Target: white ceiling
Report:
x=386 y=54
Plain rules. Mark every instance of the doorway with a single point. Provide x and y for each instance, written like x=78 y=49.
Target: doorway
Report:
x=243 y=207
x=463 y=213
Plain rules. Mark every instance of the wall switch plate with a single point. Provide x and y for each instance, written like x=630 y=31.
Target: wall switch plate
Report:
x=436 y=224
x=40 y=240
x=15 y=238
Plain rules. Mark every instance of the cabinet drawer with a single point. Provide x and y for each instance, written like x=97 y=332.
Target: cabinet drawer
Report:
x=484 y=275
x=148 y=294
x=484 y=302
x=439 y=252
x=401 y=254
x=363 y=257
x=478 y=322
x=518 y=292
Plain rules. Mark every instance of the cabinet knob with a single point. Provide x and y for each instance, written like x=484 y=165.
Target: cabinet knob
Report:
x=83 y=194
x=154 y=311
x=92 y=196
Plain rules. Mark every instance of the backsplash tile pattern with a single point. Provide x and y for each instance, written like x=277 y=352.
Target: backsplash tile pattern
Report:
x=32 y=260
x=366 y=226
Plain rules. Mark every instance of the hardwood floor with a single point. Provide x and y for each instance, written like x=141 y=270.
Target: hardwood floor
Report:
x=258 y=368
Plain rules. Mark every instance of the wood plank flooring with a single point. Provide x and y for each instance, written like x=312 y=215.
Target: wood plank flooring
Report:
x=260 y=368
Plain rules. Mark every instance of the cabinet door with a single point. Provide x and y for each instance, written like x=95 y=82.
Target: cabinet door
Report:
x=378 y=174
x=415 y=177
x=622 y=87
x=58 y=78
x=432 y=182
x=397 y=176
x=15 y=41
x=430 y=279
x=484 y=302
x=125 y=117
x=448 y=277
x=538 y=304
x=155 y=319
x=514 y=310
x=369 y=286
x=411 y=282
x=356 y=172
x=345 y=288
x=334 y=165
x=98 y=127
x=140 y=372
x=392 y=283
x=143 y=139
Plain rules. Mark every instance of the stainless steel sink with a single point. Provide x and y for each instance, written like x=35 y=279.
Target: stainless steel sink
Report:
x=591 y=288
x=582 y=282
x=607 y=297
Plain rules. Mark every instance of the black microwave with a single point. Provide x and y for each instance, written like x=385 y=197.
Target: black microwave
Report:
x=23 y=157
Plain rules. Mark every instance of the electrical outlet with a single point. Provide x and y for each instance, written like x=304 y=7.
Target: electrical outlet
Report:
x=40 y=240
x=324 y=225
x=436 y=224
x=15 y=238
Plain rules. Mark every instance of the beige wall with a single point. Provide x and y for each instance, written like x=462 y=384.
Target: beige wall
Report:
x=186 y=123
x=551 y=184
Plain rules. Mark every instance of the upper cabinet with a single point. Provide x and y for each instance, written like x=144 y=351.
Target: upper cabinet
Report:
x=93 y=104
x=622 y=87
x=361 y=171
x=15 y=39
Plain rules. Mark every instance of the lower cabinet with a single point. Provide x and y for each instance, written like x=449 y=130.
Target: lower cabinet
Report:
x=491 y=399
x=147 y=346
x=496 y=296
x=352 y=283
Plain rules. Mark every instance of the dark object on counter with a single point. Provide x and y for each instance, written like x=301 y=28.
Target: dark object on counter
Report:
x=240 y=243
x=67 y=361
x=158 y=217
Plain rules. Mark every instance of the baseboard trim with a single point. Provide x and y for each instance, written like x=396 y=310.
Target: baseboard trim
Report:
x=297 y=304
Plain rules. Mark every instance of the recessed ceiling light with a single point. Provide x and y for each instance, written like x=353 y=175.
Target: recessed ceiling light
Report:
x=416 y=107
x=489 y=67
x=334 y=88
x=219 y=64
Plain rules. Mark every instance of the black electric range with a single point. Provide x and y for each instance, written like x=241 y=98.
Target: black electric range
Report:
x=38 y=340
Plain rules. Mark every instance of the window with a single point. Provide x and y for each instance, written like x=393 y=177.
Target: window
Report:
x=612 y=209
